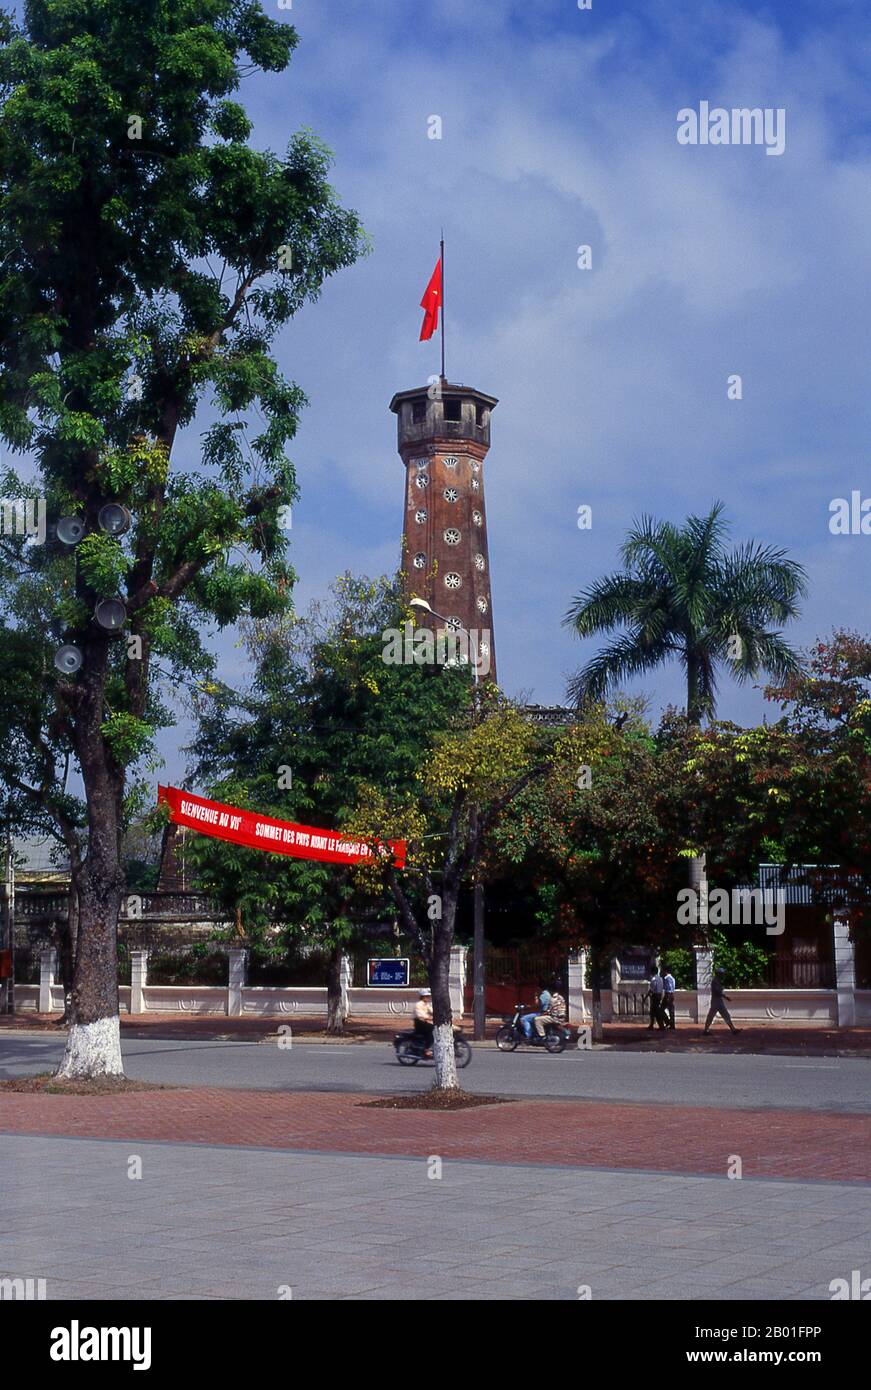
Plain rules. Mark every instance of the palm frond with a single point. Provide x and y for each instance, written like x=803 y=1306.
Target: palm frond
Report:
x=610 y=602
x=619 y=661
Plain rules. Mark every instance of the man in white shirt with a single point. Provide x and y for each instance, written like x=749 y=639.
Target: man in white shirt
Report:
x=667 y=996
x=423 y=1017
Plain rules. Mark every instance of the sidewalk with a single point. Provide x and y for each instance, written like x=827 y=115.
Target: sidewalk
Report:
x=827 y=1147
x=773 y=1038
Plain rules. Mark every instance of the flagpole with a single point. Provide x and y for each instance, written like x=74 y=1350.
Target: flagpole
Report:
x=442 y=250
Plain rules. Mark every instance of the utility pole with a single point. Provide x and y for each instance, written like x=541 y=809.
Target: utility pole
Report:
x=479 y=1012
x=8 y=1006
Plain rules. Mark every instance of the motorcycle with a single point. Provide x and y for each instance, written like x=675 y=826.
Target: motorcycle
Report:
x=512 y=1034
x=410 y=1049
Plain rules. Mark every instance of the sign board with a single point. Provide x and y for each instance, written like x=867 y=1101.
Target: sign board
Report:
x=389 y=971
x=634 y=967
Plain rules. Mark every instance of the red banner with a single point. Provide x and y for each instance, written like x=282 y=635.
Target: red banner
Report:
x=264 y=832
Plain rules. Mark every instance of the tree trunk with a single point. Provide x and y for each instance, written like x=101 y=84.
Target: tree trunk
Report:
x=439 y=980
x=598 y=1030
x=445 y=1060
x=694 y=705
x=67 y=936
x=335 y=1008
x=699 y=883
x=94 y=1039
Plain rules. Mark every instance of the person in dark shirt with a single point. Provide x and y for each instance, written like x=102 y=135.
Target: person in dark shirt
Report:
x=718 y=1003
x=655 y=993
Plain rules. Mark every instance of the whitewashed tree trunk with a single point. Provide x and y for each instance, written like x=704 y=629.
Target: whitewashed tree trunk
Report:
x=93 y=1049
x=445 y=1060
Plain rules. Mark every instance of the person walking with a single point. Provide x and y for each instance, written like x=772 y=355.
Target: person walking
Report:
x=718 y=1003
x=655 y=991
x=667 y=996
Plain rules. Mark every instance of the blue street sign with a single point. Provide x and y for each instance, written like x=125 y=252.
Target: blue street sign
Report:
x=391 y=971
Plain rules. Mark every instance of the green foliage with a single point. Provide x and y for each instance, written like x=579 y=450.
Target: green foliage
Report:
x=602 y=850
x=141 y=279
x=126 y=736
x=326 y=708
x=682 y=593
x=744 y=963
x=102 y=564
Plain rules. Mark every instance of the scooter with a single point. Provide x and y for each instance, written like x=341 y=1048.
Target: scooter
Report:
x=410 y=1049
x=512 y=1034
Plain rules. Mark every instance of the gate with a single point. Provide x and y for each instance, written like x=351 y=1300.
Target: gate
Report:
x=632 y=1003
x=513 y=977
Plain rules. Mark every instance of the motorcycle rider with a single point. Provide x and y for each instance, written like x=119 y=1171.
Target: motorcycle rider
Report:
x=527 y=1020
x=423 y=1019
x=555 y=1012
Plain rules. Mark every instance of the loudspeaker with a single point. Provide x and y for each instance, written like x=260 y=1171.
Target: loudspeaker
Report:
x=111 y=614
x=114 y=519
x=70 y=529
x=68 y=660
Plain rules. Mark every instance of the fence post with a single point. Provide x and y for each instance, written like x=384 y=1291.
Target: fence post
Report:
x=577 y=985
x=457 y=980
x=704 y=975
x=47 y=972
x=616 y=977
x=238 y=973
x=138 y=979
x=845 y=973
x=346 y=980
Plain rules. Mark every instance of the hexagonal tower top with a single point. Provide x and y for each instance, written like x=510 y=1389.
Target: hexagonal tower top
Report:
x=443 y=412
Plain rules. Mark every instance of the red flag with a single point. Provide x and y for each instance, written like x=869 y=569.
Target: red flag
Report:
x=431 y=303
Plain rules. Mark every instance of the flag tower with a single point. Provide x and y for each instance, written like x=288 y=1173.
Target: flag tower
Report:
x=443 y=439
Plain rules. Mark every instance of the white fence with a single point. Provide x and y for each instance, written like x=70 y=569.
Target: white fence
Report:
x=842 y=1007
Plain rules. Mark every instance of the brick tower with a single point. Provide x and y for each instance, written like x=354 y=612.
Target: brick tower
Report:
x=443 y=442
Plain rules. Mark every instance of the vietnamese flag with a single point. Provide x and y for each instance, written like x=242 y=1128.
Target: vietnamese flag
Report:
x=431 y=303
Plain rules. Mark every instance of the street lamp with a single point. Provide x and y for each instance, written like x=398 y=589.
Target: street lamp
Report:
x=457 y=627
x=479 y=1012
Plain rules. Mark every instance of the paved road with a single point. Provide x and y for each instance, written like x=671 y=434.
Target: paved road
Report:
x=835 y=1084
x=210 y=1222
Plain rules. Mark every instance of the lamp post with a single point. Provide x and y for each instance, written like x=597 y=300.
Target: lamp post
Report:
x=479 y=1013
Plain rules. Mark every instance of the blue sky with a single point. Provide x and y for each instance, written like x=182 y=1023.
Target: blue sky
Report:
x=559 y=129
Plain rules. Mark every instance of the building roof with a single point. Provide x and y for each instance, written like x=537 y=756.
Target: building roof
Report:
x=447 y=388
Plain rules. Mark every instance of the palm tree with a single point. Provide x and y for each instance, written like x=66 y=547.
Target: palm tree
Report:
x=681 y=593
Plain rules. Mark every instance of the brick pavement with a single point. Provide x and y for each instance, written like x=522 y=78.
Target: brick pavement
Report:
x=578 y=1134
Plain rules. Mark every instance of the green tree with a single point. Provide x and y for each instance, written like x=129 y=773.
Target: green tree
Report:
x=326 y=717
x=603 y=836
x=149 y=256
x=467 y=781
x=682 y=593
